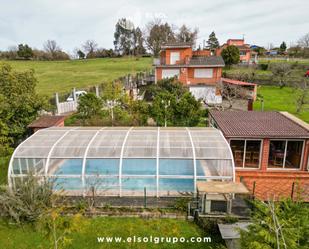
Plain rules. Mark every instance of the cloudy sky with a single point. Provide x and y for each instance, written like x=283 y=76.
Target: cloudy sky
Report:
x=71 y=22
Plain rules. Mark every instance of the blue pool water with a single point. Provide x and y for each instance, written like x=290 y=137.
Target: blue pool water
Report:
x=130 y=167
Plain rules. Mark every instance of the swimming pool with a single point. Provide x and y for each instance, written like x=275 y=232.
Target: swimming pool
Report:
x=137 y=174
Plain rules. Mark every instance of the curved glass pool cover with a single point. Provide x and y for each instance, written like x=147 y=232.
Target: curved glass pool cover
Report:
x=124 y=161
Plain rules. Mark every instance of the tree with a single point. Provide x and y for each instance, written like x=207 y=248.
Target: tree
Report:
x=185 y=34
x=304 y=41
x=283 y=47
x=213 y=42
x=138 y=42
x=174 y=105
x=124 y=37
x=58 y=228
x=24 y=51
x=280 y=72
x=231 y=93
x=80 y=54
x=20 y=105
x=281 y=225
x=89 y=105
x=230 y=55
x=50 y=46
x=158 y=34
x=90 y=47
x=302 y=95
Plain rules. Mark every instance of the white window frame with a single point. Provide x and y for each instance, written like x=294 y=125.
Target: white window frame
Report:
x=174 y=57
x=244 y=154
x=203 y=73
x=285 y=150
x=171 y=75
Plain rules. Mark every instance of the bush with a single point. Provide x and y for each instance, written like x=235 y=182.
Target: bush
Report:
x=263 y=66
x=27 y=201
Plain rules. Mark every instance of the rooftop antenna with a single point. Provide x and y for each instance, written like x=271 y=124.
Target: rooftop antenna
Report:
x=243 y=36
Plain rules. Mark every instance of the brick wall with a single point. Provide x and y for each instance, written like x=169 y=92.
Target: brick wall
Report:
x=274 y=184
x=277 y=183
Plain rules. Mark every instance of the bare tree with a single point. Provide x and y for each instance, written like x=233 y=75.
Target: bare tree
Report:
x=304 y=41
x=90 y=46
x=281 y=71
x=302 y=100
x=50 y=46
x=231 y=93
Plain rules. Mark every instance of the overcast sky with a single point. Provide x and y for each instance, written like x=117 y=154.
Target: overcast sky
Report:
x=71 y=22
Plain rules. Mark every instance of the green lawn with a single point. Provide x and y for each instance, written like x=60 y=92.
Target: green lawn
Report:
x=28 y=238
x=62 y=76
x=299 y=61
x=280 y=100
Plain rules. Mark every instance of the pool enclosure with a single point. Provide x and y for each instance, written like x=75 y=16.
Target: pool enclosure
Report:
x=124 y=161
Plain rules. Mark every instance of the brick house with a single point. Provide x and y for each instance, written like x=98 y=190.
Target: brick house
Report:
x=245 y=53
x=199 y=70
x=270 y=151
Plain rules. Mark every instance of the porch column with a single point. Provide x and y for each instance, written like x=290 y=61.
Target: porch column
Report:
x=265 y=154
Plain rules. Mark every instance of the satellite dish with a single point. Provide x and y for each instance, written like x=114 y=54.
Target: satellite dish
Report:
x=126 y=24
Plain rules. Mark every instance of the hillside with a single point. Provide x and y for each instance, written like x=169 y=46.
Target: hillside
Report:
x=62 y=76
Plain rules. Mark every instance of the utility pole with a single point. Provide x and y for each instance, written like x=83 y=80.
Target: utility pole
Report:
x=166 y=105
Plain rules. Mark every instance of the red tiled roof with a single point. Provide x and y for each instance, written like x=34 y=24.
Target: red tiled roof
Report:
x=238 y=82
x=46 y=121
x=257 y=124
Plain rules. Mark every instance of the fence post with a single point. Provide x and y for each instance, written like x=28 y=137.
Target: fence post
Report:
x=292 y=193
x=57 y=102
x=74 y=94
x=145 y=198
x=97 y=91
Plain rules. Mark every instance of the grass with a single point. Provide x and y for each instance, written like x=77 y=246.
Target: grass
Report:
x=29 y=238
x=62 y=76
x=276 y=99
x=291 y=61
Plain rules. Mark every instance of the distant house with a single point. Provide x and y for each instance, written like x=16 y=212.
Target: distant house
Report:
x=270 y=151
x=199 y=70
x=245 y=53
x=46 y=122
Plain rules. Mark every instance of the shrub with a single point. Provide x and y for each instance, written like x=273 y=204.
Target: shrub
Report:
x=27 y=200
x=264 y=67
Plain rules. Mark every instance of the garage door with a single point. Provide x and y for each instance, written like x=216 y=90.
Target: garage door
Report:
x=169 y=73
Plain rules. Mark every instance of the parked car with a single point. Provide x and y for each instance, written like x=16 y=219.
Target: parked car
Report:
x=307 y=73
x=77 y=94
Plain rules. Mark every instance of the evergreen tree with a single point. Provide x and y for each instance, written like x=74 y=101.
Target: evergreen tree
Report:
x=230 y=55
x=283 y=47
x=213 y=42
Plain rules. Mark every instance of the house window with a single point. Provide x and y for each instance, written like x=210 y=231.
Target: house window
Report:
x=285 y=154
x=175 y=56
x=203 y=73
x=170 y=73
x=246 y=153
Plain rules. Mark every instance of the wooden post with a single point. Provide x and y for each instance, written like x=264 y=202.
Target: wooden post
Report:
x=292 y=193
